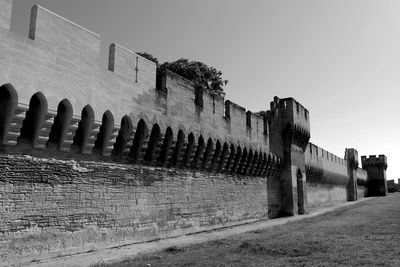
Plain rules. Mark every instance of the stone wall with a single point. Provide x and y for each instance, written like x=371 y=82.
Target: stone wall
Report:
x=322 y=195
x=327 y=177
x=53 y=207
x=334 y=168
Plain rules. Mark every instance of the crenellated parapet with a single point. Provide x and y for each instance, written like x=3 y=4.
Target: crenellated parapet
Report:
x=273 y=113
x=57 y=100
x=374 y=162
x=330 y=168
x=289 y=120
x=60 y=133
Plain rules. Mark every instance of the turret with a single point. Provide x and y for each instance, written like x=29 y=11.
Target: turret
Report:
x=376 y=168
x=289 y=121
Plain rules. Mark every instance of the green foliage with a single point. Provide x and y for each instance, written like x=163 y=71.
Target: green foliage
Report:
x=199 y=73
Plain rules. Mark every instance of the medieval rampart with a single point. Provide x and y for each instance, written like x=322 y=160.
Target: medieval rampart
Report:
x=96 y=157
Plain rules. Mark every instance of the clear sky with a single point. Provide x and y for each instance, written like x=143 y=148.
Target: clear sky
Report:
x=339 y=58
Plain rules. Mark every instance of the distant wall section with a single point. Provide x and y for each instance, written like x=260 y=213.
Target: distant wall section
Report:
x=327 y=177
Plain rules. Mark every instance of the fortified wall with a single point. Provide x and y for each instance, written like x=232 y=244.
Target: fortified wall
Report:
x=100 y=156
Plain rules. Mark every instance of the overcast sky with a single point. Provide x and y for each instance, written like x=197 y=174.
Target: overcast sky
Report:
x=340 y=59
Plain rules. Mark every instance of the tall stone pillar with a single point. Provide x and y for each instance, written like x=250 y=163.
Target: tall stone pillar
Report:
x=351 y=155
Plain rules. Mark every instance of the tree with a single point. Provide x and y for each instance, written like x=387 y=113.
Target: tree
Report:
x=200 y=74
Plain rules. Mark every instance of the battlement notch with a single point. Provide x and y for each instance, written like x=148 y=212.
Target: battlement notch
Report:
x=374 y=161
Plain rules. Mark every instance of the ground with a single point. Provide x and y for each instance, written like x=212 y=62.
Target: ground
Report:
x=367 y=233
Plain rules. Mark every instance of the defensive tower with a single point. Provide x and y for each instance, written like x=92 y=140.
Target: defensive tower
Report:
x=376 y=168
x=291 y=124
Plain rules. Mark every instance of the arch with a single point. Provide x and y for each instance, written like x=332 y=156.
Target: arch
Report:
x=253 y=164
x=216 y=156
x=34 y=118
x=123 y=137
x=231 y=159
x=180 y=141
x=8 y=103
x=247 y=163
x=199 y=152
x=138 y=141
x=258 y=167
x=62 y=121
x=223 y=158
x=189 y=150
x=105 y=132
x=236 y=160
x=207 y=153
x=85 y=126
x=155 y=136
x=242 y=162
x=167 y=143
x=266 y=164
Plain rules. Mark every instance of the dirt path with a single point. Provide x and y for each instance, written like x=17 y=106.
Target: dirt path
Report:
x=365 y=232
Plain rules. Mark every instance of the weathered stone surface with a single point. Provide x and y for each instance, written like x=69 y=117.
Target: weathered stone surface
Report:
x=53 y=206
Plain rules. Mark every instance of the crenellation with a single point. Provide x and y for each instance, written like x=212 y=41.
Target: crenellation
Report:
x=373 y=160
x=331 y=171
x=131 y=67
x=69 y=37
